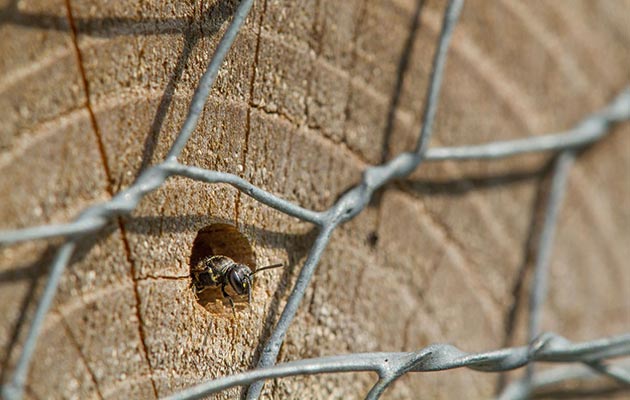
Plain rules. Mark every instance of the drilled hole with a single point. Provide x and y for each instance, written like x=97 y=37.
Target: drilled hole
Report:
x=221 y=240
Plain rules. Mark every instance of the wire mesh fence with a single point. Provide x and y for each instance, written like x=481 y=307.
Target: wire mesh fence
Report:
x=593 y=356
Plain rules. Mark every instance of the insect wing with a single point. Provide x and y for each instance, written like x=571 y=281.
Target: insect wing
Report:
x=220 y=264
x=210 y=272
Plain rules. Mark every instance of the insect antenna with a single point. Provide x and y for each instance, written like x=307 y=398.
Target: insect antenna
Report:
x=249 y=278
x=279 y=265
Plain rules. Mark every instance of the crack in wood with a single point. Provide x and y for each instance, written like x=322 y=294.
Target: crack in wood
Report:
x=79 y=350
x=136 y=293
x=109 y=188
x=86 y=91
x=237 y=203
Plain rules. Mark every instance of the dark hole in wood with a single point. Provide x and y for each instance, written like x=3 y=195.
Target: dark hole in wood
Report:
x=225 y=240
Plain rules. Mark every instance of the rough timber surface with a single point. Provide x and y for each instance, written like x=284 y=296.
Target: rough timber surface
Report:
x=91 y=92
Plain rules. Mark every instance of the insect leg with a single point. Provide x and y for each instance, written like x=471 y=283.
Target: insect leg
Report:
x=225 y=294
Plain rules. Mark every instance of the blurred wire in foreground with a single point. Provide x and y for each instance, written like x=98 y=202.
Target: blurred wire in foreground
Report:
x=389 y=366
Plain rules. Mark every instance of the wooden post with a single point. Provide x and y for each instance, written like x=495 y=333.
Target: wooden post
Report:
x=311 y=93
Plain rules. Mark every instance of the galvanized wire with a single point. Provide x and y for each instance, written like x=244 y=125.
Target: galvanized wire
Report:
x=389 y=366
x=520 y=389
x=543 y=257
x=438 y=357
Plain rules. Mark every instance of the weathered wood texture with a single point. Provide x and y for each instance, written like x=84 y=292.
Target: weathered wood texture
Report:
x=91 y=92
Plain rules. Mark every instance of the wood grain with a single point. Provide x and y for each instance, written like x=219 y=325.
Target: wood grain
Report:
x=311 y=93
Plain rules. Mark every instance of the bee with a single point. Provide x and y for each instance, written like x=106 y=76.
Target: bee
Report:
x=220 y=271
